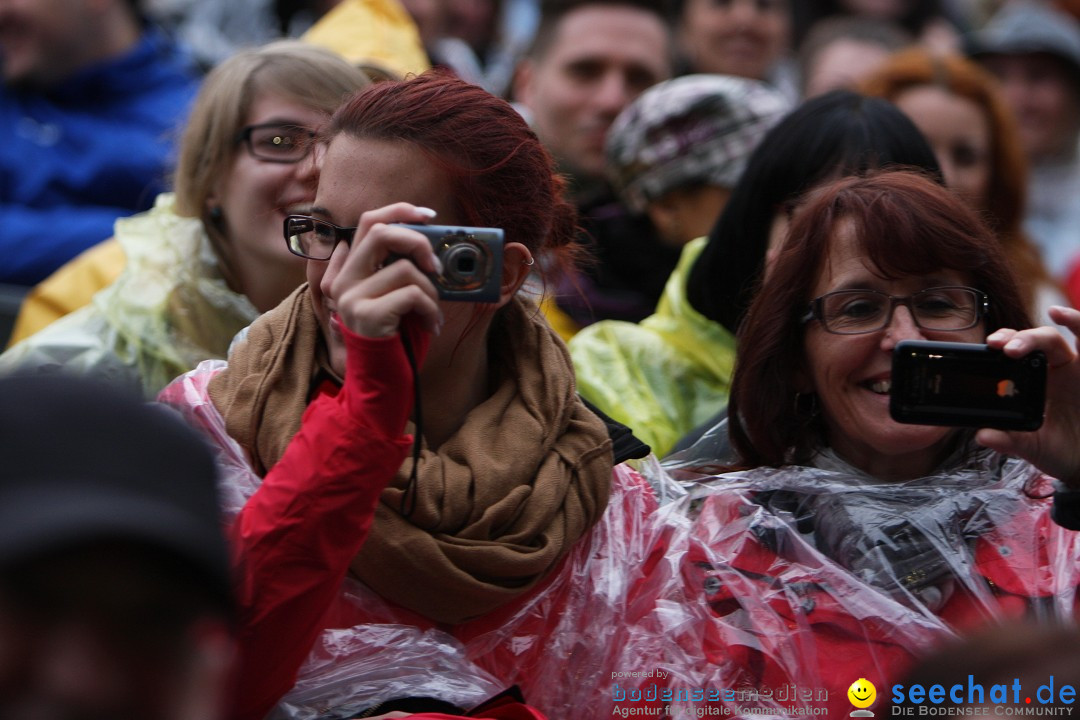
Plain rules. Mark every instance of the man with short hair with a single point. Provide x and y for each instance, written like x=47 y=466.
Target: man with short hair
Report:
x=90 y=104
x=115 y=590
x=589 y=60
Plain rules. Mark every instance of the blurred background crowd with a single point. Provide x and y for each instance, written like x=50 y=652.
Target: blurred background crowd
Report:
x=96 y=98
x=165 y=200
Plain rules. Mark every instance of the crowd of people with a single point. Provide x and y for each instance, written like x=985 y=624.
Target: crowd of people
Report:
x=530 y=359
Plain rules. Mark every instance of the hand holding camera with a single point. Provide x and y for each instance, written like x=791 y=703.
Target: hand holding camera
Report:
x=1055 y=447
x=370 y=292
x=373 y=291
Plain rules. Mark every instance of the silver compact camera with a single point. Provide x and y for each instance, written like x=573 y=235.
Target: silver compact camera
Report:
x=471 y=259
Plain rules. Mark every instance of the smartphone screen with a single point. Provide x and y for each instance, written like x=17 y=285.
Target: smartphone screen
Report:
x=966 y=385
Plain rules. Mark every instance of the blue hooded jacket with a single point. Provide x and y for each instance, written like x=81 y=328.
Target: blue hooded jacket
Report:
x=78 y=155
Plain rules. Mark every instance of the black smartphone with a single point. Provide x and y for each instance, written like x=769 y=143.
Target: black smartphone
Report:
x=966 y=385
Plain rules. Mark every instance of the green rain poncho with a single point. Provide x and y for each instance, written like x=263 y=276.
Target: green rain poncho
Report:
x=664 y=376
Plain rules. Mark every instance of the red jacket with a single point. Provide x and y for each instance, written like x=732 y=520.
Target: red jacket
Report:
x=295 y=591
x=295 y=537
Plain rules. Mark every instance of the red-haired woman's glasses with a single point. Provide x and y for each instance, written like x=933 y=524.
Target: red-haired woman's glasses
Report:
x=315 y=239
x=851 y=312
x=277 y=142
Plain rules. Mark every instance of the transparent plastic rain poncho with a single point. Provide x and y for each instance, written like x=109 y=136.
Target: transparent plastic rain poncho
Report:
x=168 y=310
x=736 y=594
x=557 y=642
x=781 y=587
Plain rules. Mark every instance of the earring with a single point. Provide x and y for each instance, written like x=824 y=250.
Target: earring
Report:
x=530 y=261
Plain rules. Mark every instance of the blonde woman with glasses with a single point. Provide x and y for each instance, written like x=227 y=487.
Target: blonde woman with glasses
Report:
x=208 y=258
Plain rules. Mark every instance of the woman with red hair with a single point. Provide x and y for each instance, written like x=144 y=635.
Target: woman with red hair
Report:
x=508 y=469
x=848 y=543
x=959 y=108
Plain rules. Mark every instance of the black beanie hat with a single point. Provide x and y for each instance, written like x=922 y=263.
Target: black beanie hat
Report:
x=80 y=462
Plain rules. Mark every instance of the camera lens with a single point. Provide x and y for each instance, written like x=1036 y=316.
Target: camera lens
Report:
x=464 y=266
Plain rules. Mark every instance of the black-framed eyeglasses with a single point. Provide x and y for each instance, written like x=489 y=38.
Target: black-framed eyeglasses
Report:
x=277 y=142
x=315 y=239
x=945 y=309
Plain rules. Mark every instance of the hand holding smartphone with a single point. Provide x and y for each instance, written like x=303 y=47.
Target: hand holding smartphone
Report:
x=966 y=385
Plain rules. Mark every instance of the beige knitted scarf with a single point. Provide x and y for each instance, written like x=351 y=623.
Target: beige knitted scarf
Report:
x=497 y=505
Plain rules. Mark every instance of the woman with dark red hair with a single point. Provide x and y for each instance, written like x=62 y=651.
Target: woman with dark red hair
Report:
x=848 y=543
x=508 y=467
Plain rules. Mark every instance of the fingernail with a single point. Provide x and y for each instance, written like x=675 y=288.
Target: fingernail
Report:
x=438 y=265
x=428 y=212
x=1014 y=344
x=993 y=336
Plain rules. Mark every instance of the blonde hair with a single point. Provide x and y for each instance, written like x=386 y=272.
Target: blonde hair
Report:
x=294 y=70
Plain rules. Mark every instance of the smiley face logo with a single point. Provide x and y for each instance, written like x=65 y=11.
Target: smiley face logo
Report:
x=862 y=693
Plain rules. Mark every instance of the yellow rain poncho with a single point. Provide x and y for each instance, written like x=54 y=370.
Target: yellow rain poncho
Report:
x=664 y=376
